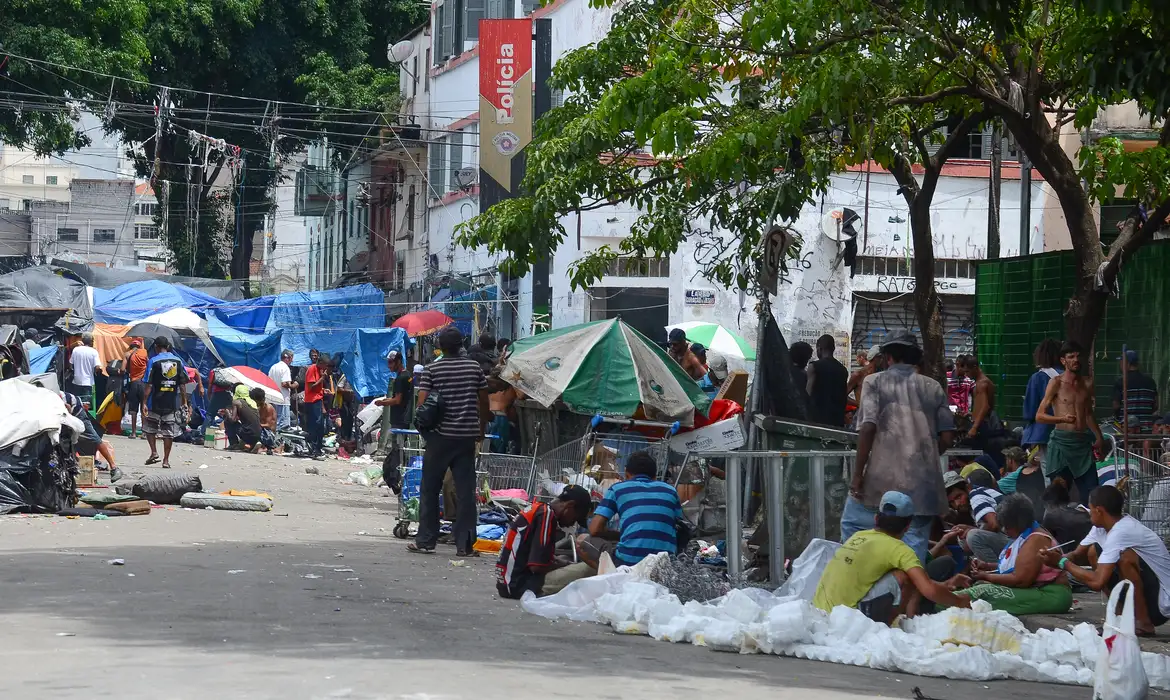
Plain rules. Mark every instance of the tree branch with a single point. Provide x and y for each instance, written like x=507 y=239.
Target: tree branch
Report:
x=953 y=140
x=953 y=91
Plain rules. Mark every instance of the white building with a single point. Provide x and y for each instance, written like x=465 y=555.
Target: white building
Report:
x=25 y=178
x=107 y=223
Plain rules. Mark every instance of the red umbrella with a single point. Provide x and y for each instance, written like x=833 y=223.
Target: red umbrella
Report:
x=254 y=378
x=422 y=322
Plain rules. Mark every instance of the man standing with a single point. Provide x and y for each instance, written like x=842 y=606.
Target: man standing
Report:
x=867 y=364
x=800 y=353
x=316 y=377
x=281 y=373
x=462 y=388
x=485 y=353
x=84 y=361
x=986 y=428
x=395 y=416
x=680 y=352
x=906 y=424
x=1070 y=447
x=164 y=398
x=827 y=381
x=1141 y=395
x=960 y=386
x=136 y=390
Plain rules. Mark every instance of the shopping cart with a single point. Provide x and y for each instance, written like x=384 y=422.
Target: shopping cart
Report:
x=598 y=458
x=1146 y=485
x=502 y=474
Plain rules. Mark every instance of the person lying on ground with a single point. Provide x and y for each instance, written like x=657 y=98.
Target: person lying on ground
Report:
x=1121 y=547
x=528 y=560
x=647 y=510
x=1036 y=588
x=877 y=573
x=984 y=540
x=267 y=419
x=241 y=421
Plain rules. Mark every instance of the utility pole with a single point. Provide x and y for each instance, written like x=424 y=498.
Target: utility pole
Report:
x=1025 y=203
x=993 y=193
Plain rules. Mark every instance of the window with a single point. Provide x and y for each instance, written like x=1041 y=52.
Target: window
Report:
x=527 y=7
x=67 y=235
x=500 y=9
x=26 y=179
x=440 y=35
x=950 y=268
x=399 y=274
x=639 y=267
x=436 y=179
x=51 y=180
x=411 y=194
x=473 y=12
x=144 y=232
x=459 y=28
x=427 y=73
x=5 y=203
x=455 y=162
x=103 y=235
x=414 y=75
x=145 y=208
x=449 y=12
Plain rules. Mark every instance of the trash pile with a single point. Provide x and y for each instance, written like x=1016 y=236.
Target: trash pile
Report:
x=38 y=469
x=976 y=644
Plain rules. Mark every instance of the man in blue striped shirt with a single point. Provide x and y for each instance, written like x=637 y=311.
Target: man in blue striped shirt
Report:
x=647 y=511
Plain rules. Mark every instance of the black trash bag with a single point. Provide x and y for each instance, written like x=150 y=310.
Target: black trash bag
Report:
x=166 y=489
x=39 y=479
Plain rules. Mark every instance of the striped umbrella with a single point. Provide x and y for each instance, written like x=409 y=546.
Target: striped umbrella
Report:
x=604 y=367
x=717 y=338
x=253 y=378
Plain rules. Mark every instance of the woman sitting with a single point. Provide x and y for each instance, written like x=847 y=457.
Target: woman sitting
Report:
x=241 y=421
x=1020 y=583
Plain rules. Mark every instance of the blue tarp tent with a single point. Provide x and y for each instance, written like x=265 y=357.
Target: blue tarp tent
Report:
x=327 y=319
x=41 y=359
x=136 y=300
x=365 y=365
x=257 y=350
x=246 y=315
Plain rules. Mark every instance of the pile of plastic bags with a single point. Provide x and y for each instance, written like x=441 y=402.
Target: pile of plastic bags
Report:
x=751 y=621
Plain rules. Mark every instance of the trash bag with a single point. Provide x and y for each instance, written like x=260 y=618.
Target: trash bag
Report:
x=1119 y=674
x=38 y=477
x=166 y=489
x=807 y=569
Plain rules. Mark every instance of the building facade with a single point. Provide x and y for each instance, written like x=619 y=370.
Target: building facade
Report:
x=108 y=223
x=27 y=178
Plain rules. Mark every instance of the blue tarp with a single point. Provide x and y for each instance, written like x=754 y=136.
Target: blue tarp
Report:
x=130 y=302
x=246 y=315
x=258 y=350
x=40 y=359
x=365 y=365
x=327 y=319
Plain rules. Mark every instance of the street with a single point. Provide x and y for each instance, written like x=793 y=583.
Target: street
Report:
x=317 y=600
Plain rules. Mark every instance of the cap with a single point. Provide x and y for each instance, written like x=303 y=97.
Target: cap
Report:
x=873 y=352
x=896 y=503
x=581 y=501
x=677 y=335
x=698 y=348
x=1016 y=453
x=952 y=479
x=135 y=342
x=717 y=363
x=392 y=355
x=901 y=338
x=1131 y=357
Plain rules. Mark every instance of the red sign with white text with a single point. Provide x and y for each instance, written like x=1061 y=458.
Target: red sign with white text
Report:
x=505 y=95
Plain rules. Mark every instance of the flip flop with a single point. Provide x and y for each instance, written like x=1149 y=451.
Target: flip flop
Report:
x=467 y=555
x=415 y=549
x=153 y=459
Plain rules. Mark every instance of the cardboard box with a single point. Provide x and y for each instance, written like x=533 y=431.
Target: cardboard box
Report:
x=735 y=387
x=727 y=434
x=86 y=473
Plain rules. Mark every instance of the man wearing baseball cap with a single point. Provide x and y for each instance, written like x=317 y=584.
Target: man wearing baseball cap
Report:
x=877 y=573
x=528 y=560
x=136 y=360
x=680 y=352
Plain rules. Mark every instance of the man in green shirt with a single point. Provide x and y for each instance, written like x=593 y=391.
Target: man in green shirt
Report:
x=876 y=572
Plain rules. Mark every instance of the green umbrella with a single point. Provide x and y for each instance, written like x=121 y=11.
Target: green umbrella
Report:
x=604 y=367
x=718 y=339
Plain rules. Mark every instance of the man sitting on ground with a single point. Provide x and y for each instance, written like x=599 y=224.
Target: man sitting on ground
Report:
x=528 y=560
x=267 y=418
x=984 y=539
x=1121 y=547
x=877 y=573
x=647 y=510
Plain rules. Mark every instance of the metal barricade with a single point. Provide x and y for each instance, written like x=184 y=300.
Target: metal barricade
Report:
x=1146 y=485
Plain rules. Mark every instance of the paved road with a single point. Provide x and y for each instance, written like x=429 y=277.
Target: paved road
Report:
x=317 y=600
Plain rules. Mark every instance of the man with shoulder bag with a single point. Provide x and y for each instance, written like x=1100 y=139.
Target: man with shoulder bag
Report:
x=452 y=413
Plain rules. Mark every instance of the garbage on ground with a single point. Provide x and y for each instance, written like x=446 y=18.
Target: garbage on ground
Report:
x=101 y=516
x=116 y=562
x=488 y=546
x=221 y=501
x=975 y=644
x=457 y=562
x=490 y=532
x=367 y=477
x=312 y=470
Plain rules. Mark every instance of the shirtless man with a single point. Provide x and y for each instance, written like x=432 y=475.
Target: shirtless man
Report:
x=1071 y=445
x=502 y=398
x=680 y=352
x=867 y=363
x=986 y=428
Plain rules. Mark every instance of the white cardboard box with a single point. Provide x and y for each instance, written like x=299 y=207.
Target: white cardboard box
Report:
x=727 y=434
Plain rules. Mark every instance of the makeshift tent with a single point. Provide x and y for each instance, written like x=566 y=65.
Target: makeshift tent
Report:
x=258 y=350
x=37 y=296
x=365 y=365
x=326 y=319
x=138 y=300
x=108 y=278
x=246 y=315
x=41 y=359
x=110 y=341
x=186 y=322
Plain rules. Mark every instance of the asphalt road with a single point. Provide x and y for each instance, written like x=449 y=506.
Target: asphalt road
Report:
x=317 y=600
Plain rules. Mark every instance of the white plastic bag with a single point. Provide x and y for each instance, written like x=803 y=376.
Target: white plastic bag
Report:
x=807 y=569
x=1120 y=674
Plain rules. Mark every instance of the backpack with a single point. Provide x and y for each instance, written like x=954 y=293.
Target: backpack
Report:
x=429 y=413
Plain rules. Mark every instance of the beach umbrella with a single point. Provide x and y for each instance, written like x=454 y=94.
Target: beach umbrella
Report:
x=716 y=338
x=422 y=322
x=603 y=367
x=253 y=378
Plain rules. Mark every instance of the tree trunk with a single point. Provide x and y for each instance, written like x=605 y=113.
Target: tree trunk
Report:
x=927 y=305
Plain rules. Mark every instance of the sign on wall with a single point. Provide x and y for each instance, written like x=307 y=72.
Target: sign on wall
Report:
x=700 y=297
x=809 y=335
x=505 y=96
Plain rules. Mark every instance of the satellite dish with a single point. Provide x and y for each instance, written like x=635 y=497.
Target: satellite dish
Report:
x=840 y=224
x=398 y=53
